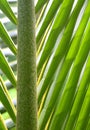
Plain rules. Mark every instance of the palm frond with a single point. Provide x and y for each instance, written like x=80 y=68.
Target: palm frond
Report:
x=63 y=64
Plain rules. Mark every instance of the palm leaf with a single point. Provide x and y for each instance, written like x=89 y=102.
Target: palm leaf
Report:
x=39 y=5
x=63 y=62
x=4 y=6
x=5 y=36
x=7 y=69
x=2 y=124
x=60 y=51
x=5 y=99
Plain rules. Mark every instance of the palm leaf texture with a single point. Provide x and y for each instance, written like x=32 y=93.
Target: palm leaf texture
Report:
x=63 y=64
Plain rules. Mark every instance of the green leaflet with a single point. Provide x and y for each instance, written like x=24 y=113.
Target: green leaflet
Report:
x=79 y=97
x=5 y=37
x=56 y=87
x=2 y=124
x=58 y=25
x=4 y=66
x=4 y=6
x=49 y=13
x=63 y=105
x=39 y=5
x=63 y=46
x=84 y=113
x=88 y=125
x=6 y=100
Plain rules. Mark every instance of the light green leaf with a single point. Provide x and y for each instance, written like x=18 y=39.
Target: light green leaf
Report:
x=2 y=124
x=62 y=47
x=64 y=106
x=4 y=6
x=7 y=39
x=58 y=24
x=6 y=100
x=84 y=113
x=49 y=13
x=39 y=5
x=4 y=66
x=79 y=97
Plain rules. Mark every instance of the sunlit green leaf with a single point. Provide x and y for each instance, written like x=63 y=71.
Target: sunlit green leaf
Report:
x=5 y=37
x=4 y=66
x=2 y=124
x=39 y=5
x=4 y=6
x=6 y=100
